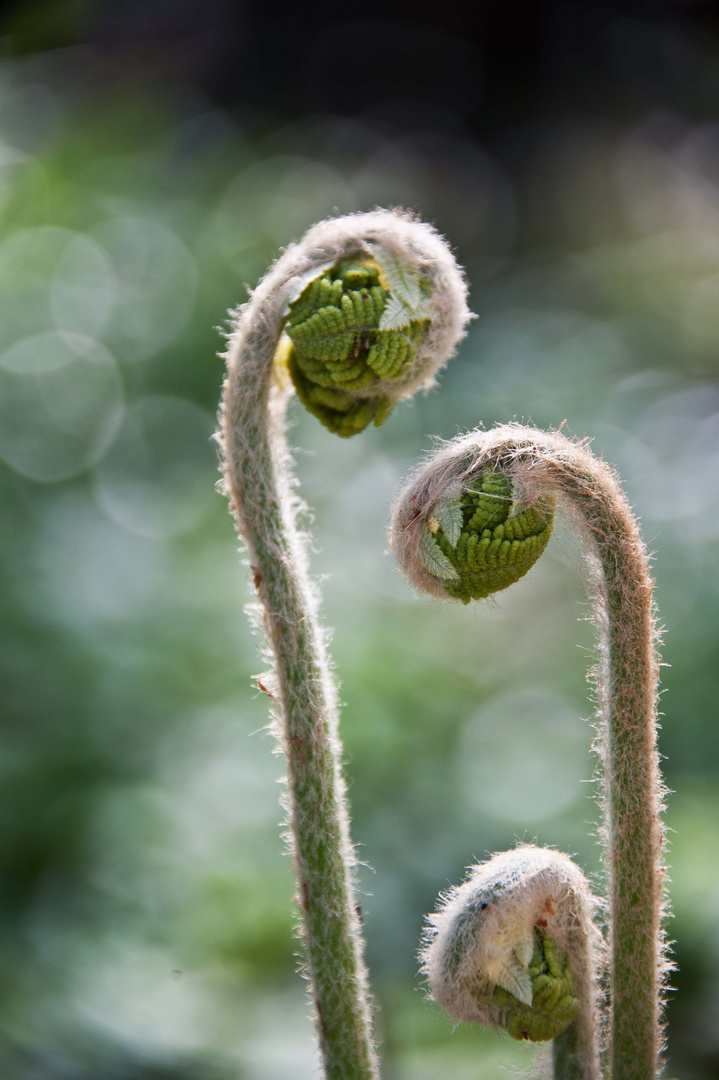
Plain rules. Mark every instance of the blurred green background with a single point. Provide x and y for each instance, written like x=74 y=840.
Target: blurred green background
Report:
x=146 y=901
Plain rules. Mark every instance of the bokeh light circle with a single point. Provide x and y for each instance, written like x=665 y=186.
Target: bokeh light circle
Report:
x=61 y=405
x=53 y=278
x=156 y=285
x=158 y=478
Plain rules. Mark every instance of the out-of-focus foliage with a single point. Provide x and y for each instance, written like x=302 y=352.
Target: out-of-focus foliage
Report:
x=146 y=903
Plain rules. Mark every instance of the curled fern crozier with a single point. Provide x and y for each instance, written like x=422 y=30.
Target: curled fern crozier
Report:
x=344 y=339
x=515 y=948
x=352 y=328
x=418 y=282
x=483 y=538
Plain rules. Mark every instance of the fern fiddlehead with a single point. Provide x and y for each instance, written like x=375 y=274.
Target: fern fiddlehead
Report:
x=542 y=468
x=288 y=323
x=353 y=328
x=482 y=539
x=516 y=948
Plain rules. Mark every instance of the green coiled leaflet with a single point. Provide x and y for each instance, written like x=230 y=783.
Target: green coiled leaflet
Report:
x=482 y=540
x=554 y=1004
x=339 y=346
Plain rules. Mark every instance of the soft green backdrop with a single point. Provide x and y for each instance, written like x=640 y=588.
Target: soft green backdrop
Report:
x=146 y=900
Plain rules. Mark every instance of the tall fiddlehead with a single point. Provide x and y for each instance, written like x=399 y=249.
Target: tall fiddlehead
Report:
x=433 y=530
x=516 y=948
x=358 y=314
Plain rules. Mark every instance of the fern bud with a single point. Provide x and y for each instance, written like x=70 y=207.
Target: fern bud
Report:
x=468 y=535
x=515 y=948
x=350 y=332
x=371 y=325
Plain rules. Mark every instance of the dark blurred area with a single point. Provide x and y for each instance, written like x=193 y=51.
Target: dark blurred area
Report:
x=153 y=159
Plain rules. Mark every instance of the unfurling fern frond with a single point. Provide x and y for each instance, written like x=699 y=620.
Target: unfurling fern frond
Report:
x=483 y=539
x=342 y=344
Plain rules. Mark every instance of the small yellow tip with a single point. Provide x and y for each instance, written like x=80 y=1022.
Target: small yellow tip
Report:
x=281 y=368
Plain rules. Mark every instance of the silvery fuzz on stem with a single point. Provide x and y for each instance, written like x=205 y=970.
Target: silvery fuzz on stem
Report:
x=359 y=314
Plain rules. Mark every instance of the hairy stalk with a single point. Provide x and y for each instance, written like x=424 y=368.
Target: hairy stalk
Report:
x=568 y=1061
x=376 y=304
x=516 y=948
x=543 y=467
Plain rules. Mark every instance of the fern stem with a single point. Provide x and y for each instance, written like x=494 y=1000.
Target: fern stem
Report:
x=546 y=466
x=321 y=847
x=260 y=487
x=566 y=1057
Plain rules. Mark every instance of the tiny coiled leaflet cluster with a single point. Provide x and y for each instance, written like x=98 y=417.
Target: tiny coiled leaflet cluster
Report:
x=483 y=539
x=351 y=328
x=554 y=1004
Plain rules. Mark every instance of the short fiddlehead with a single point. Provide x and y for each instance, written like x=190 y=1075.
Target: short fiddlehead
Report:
x=353 y=328
x=543 y=468
x=516 y=948
x=482 y=538
x=361 y=312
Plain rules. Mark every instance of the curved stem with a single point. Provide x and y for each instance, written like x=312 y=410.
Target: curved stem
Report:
x=260 y=486
x=566 y=1058
x=544 y=465
x=322 y=853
